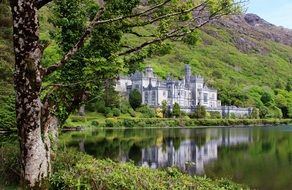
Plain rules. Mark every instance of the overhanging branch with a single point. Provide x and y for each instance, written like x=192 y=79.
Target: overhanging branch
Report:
x=76 y=47
x=41 y=3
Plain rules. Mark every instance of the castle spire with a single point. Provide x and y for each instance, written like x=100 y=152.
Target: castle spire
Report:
x=188 y=74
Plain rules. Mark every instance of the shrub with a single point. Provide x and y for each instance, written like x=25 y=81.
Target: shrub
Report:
x=100 y=106
x=215 y=115
x=124 y=107
x=132 y=112
x=107 y=110
x=255 y=114
x=200 y=112
x=110 y=123
x=109 y=115
x=159 y=113
x=95 y=123
x=176 y=110
x=135 y=99
x=146 y=111
x=116 y=112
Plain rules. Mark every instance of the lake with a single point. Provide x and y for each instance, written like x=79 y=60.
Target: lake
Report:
x=260 y=157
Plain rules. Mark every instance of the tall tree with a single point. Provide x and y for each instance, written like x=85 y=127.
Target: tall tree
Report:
x=38 y=112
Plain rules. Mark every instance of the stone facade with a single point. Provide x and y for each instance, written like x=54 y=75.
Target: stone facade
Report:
x=189 y=92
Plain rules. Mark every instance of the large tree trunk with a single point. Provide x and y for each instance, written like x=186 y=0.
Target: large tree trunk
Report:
x=32 y=127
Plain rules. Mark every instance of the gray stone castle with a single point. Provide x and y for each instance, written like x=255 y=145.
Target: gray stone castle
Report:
x=189 y=92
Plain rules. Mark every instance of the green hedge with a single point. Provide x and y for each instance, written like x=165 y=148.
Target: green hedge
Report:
x=163 y=122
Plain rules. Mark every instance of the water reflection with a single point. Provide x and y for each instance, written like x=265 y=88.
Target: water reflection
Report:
x=251 y=156
x=188 y=155
x=187 y=149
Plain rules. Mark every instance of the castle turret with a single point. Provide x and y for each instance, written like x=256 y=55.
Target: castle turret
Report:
x=149 y=72
x=188 y=74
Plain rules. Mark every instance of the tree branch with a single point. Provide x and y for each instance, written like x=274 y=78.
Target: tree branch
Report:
x=173 y=34
x=41 y=3
x=76 y=47
x=89 y=30
x=133 y=15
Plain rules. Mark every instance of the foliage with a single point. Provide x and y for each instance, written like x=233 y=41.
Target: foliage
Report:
x=289 y=85
x=135 y=98
x=200 y=112
x=116 y=112
x=7 y=95
x=9 y=167
x=159 y=113
x=74 y=170
x=215 y=115
x=164 y=108
x=132 y=112
x=176 y=110
x=255 y=114
x=146 y=111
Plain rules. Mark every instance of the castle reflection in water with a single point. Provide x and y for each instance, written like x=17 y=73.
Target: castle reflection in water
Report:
x=188 y=149
x=190 y=156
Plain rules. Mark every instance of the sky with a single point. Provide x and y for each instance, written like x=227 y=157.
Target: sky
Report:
x=277 y=12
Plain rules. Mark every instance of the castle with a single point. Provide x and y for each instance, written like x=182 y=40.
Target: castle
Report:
x=189 y=92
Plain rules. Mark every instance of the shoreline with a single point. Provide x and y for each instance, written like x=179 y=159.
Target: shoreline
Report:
x=176 y=123
x=142 y=123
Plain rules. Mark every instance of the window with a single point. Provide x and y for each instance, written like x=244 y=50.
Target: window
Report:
x=137 y=86
x=146 y=97
x=164 y=93
x=153 y=96
x=205 y=98
x=169 y=93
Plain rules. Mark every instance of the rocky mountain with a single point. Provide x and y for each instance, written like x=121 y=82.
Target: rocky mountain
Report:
x=248 y=28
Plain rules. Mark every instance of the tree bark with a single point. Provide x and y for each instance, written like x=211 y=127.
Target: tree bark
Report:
x=32 y=127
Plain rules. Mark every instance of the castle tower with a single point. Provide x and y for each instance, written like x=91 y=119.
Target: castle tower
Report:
x=188 y=74
x=149 y=72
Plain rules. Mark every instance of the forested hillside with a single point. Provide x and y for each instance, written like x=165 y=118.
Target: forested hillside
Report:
x=7 y=114
x=247 y=59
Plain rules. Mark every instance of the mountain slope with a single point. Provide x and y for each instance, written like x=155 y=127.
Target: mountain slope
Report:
x=246 y=58
x=236 y=55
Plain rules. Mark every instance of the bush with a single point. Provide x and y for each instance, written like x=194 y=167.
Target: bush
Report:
x=135 y=99
x=159 y=113
x=107 y=110
x=176 y=110
x=199 y=113
x=132 y=112
x=100 y=106
x=146 y=111
x=124 y=107
x=109 y=115
x=95 y=123
x=215 y=115
x=116 y=112
x=110 y=122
